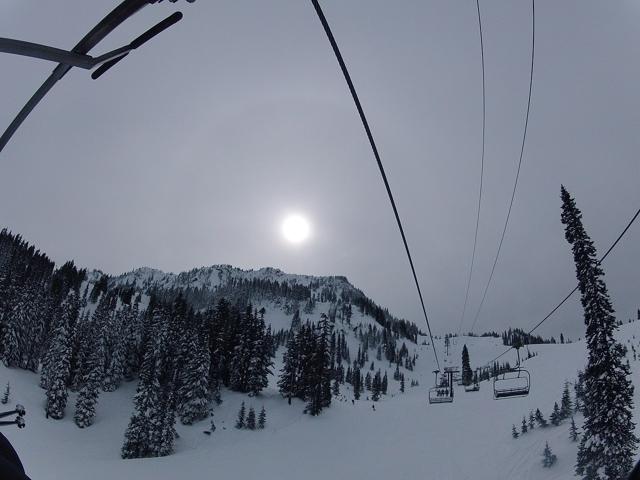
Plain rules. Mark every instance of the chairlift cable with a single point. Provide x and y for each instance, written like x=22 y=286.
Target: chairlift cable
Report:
x=515 y=183
x=365 y=124
x=550 y=314
x=484 y=122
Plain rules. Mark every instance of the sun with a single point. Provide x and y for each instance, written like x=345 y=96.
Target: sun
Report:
x=296 y=228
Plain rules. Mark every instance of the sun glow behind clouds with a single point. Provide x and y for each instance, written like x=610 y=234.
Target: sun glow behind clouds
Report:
x=296 y=228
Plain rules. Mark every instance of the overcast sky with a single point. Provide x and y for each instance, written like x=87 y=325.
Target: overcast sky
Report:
x=194 y=148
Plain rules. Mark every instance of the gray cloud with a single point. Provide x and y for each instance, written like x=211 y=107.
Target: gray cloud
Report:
x=192 y=149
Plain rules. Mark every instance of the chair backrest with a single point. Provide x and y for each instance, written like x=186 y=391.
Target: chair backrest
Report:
x=512 y=383
x=440 y=395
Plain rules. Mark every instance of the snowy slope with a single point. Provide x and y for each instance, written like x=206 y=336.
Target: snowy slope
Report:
x=404 y=438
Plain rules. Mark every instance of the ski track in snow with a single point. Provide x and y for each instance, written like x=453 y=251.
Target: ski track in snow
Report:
x=404 y=438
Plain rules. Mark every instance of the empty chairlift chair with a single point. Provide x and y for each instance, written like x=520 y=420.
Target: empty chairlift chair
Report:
x=515 y=382
x=475 y=385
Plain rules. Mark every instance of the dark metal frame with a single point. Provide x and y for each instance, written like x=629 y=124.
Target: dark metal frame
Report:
x=475 y=385
x=78 y=56
x=522 y=391
x=19 y=420
x=434 y=398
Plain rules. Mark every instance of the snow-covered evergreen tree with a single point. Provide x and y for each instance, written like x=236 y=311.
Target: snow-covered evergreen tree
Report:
x=262 y=418
x=578 y=387
x=467 y=373
x=358 y=384
x=566 y=405
x=132 y=340
x=88 y=395
x=241 y=421
x=138 y=436
x=573 y=431
x=288 y=380
x=23 y=325
x=81 y=344
x=376 y=387
x=251 y=362
x=151 y=429
x=167 y=424
x=335 y=388
x=548 y=457
x=261 y=361
x=532 y=420
x=556 y=416
x=60 y=355
x=514 y=431
x=608 y=442
x=251 y=419
x=194 y=389
x=318 y=382
x=524 y=429
x=114 y=370
x=542 y=422
x=5 y=396
x=10 y=343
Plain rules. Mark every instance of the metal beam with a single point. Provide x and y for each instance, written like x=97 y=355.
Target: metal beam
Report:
x=107 y=25
x=44 y=52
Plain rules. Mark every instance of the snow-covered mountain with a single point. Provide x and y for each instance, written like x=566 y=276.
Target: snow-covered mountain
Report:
x=218 y=275
x=279 y=293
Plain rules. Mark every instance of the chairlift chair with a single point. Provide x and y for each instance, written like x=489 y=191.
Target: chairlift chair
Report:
x=474 y=387
x=442 y=392
x=512 y=383
x=440 y=395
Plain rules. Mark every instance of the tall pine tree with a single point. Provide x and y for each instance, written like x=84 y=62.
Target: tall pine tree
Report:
x=60 y=355
x=566 y=405
x=467 y=373
x=194 y=388
x=88 y=395
x=288 y=381
x=608 y=442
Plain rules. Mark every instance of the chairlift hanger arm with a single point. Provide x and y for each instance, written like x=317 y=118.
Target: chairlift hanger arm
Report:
x=73 y=59
x=18 y=421
x=19 y=410
x=108 y=24
x=112 y=58
x=45 y=52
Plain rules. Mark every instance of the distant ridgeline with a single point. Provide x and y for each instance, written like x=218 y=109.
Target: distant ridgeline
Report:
x=516 y=336
x=186 y=336
x=204 y=287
